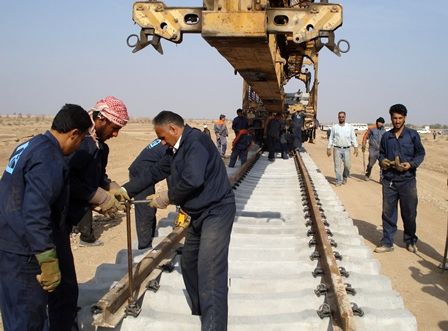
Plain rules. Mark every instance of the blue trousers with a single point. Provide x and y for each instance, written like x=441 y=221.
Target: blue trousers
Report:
x=145 y=219
x=63 y=301
x=205 y=265
x=342 y=163
x=238 y=153
x=404 y=193
x=23 y=302
x=272 y=146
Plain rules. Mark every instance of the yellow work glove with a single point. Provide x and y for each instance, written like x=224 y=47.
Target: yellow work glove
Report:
x=386 y=164
x=111 y=206
x=356 y=152
x=107 y=202
x=50 y=275
x=114 y=187
x=158 y=200
x=363 y=148
x=328 y=152
x=121 y=194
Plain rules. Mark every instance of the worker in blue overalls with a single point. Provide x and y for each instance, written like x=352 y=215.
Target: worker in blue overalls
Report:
x=401 y=153
x=198 y=183
x=141 y=184
x=90 y=187
x=89 y=184
x=35 y=256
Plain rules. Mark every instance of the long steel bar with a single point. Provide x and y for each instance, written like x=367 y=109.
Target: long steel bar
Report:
x=341 y=310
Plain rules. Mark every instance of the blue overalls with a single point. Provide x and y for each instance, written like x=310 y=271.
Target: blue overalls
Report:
x=240 y=147
x=198 y=182
x=145 y=216
x=87 y=173
x=400 y=186
x=33 y=201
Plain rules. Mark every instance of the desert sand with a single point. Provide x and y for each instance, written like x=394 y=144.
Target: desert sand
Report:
x=416 y=277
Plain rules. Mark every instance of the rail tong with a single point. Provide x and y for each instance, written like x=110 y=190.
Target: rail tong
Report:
x=122 y=299
x=337 y=304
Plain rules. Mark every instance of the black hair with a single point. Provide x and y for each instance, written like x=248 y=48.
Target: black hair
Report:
x=222 y=116
x=168 y=117
x=398 y=109
x=71 y=117
x=239 y=110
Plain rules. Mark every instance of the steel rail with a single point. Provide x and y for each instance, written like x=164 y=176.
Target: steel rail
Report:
x=336 y=295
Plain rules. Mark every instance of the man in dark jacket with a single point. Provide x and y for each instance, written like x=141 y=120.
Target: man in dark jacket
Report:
x=239 y=122
x=297 y=124
x=142 y=178
x=401 y=152
x=198 y=183
x=273 y=132
x=34 y=234
x=240 y=147
x=89 y=184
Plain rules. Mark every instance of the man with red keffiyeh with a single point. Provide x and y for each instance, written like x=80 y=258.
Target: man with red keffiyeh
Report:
x=90 y=188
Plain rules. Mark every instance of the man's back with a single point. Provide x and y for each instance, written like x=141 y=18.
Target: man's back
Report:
x=198 y=177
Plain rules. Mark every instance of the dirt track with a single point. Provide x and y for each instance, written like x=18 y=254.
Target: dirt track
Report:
x=415 y=276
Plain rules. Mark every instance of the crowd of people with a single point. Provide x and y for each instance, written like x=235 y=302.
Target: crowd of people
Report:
x=54 y=182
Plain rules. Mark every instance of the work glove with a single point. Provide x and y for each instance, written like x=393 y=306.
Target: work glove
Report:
x=356 y=152
x=159 y=200
x=363 y=148
x=406 y=166
x=328 y=152
x=386 y=164
x=121 y=194
x=114 y=187
x=401 y=167
x=109 y=206
x=50 y=275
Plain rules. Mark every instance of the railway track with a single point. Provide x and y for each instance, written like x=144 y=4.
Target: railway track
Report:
x=296 y=262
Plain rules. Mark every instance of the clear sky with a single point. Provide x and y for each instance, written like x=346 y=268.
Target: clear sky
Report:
x=53 y=52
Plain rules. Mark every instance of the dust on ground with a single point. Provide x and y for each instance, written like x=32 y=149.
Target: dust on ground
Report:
x=416 y=277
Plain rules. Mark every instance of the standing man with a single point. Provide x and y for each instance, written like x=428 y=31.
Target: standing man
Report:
x=401 y=153
x=307 y=80
x=296 y=125
x=313 y=130
x=141 y=184
x=239 y=122
x=198 y=183
x=221 y=133
x=273 y=132
x=89 y=184
x=35 y=256
x=240 y=147
x=342 y=137
x=374 y=135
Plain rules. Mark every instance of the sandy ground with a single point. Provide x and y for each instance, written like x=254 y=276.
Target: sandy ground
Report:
x=415 y=276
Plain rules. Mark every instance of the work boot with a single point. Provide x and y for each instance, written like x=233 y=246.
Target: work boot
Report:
x=383 y=249
x=411 y=248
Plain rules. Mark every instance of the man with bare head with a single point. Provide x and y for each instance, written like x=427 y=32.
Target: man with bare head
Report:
x=342 y=137
x=401 y=152
x=198 y=183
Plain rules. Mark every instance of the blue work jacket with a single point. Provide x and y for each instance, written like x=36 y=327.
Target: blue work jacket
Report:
x=240 y=123
x=142 y=172
x=197 y=176
x=33 y=196
x=87 y=173
x=408 y=147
